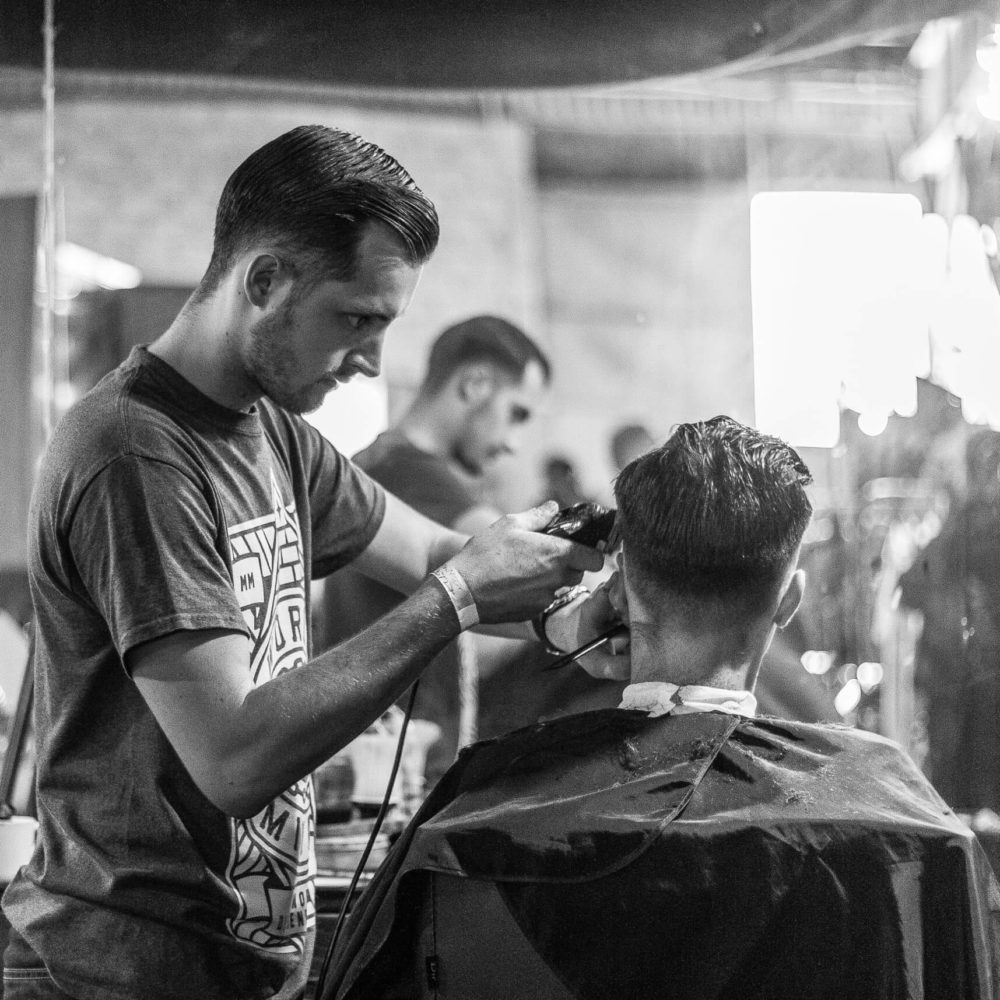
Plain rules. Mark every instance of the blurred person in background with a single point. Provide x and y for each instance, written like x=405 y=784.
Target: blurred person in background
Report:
x=627 y=443
x=484 y=381
x=561 y=483
x=955 y=583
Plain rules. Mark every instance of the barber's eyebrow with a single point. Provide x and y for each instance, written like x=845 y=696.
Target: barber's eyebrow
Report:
x=372 y=312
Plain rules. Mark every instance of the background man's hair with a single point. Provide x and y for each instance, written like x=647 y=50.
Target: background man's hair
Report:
x=628 y=442
x=717 y=511
x=310 y=193
x=482 y=338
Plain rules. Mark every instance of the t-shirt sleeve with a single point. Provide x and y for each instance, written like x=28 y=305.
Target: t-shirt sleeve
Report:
x=150 y=549
x=346 y=505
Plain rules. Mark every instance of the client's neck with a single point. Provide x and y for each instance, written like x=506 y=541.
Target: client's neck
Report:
x=728 y=657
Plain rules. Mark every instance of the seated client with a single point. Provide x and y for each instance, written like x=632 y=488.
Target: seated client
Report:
x=677 y=846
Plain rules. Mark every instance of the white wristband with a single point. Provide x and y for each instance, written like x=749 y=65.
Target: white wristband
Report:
x=458 y=592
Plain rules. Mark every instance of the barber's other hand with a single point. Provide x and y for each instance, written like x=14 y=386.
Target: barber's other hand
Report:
x=513 y=570
x=589 y=619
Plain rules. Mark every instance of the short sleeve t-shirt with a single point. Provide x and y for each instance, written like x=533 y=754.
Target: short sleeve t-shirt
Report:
x=157 y=510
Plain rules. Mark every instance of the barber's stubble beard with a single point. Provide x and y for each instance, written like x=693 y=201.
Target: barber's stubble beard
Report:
x=271 y=364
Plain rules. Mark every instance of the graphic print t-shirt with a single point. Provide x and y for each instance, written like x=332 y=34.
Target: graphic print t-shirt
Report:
x=158 y=510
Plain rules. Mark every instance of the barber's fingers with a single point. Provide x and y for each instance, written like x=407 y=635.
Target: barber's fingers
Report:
x=597 y=615
x=584 y=558
x=535 y=518
x=613 y=591
x=575 y=558
x=608 y=665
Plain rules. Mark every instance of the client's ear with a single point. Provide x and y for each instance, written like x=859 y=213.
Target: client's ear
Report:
x=790 y=599
x=617 y=594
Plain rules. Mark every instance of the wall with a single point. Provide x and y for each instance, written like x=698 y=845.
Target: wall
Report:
x=649 y=306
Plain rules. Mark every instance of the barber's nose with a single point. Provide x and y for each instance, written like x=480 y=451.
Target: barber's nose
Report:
x=368 y=363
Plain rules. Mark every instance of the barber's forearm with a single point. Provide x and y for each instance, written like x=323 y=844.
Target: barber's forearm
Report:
x=298 y=720
x=446 y=544
x=407 y=547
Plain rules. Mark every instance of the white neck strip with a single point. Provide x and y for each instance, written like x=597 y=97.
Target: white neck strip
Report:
x=660 y=698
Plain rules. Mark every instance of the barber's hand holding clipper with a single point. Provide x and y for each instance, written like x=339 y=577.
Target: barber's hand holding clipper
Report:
x=591 y=629
x=518 y=570
x=513 y=569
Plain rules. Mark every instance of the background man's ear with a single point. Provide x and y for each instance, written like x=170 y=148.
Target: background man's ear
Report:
x=791 y=599
x=475 y=384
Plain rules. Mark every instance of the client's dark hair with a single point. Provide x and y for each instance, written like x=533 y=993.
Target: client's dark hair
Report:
x=482 y=338
x=717 y=511
x=310 y=192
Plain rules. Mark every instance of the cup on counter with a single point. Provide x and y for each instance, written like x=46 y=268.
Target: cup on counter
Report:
x=372 y=754
x=420 y=736
x=371 y=757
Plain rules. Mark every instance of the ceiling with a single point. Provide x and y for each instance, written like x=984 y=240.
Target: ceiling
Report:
x=449 y=45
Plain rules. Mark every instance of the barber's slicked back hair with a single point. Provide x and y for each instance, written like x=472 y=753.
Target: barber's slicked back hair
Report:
x=482 y=338
x=717 y=511
x=310 y=192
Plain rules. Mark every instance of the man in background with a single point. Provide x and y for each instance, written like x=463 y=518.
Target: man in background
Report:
x=484 y=381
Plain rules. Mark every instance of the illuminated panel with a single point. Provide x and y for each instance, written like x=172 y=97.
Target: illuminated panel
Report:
x=839 y=317
x=353 y=415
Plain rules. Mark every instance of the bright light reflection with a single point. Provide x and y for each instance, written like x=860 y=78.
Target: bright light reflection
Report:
x=870 y=675
x=838 y=309
x=988 y=57
x=87 y=268
x=817 y=661
x=848 y=698
x=873 y=424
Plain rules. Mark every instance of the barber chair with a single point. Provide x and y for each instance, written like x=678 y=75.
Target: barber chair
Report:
x=692 y=857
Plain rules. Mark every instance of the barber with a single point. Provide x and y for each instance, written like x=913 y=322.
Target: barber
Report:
x=179 y=512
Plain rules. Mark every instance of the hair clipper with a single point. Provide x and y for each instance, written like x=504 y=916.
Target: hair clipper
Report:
x=587 y=523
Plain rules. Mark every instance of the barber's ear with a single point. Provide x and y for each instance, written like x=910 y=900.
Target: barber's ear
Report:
x=262 y=278
x=475 y=384
x=791 y=599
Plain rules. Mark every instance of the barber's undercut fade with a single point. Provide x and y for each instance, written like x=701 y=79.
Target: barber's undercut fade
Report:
x=717 y=511
x=482 y=338
x=310 y=193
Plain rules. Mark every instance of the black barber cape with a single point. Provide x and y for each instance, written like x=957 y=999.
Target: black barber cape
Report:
x=613 y=855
